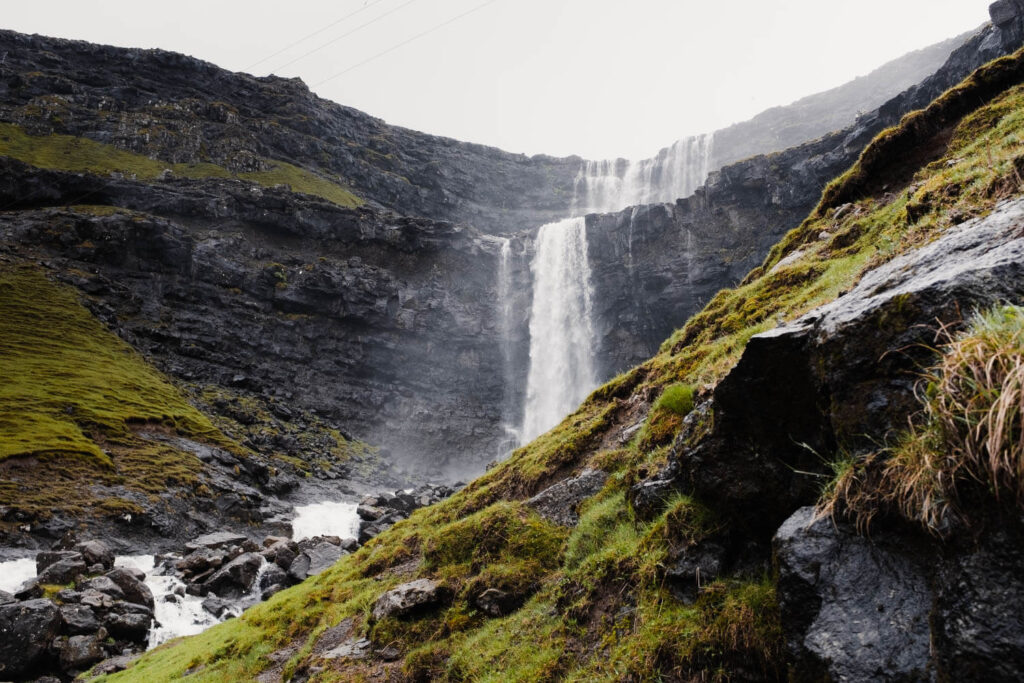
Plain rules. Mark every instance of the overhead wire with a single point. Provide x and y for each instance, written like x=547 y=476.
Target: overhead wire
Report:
x=315 y=33
x=346 y=35
x=406 y=42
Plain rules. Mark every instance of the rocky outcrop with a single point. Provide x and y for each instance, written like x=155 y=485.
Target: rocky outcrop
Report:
x=899 y=606
x=407 y=598
x=559 y=503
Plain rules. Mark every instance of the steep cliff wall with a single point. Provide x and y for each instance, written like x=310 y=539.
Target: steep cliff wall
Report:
x=382 y=324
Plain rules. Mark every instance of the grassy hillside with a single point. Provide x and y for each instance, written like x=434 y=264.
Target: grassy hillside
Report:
x=72 y=399
x=69 y=153
x=596 y=604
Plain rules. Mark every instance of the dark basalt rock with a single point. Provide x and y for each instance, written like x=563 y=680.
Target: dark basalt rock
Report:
x=558 y=503
x=852 y=609
x=50 y=557
x=133 y=588
x=26 y=631
x=95 y=552
x=842 y=372
x=63 y=571
x=236 y=578
x=322 y=557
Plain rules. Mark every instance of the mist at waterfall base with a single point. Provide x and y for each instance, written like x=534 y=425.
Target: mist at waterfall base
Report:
x=562 y=345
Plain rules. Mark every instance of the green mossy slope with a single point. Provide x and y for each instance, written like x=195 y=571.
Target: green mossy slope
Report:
x=72 y=398
x=597 y=607
x=69 y=153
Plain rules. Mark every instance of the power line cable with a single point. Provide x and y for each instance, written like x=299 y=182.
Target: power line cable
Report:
x=315 y=33
x=345 y=35
x=405 y=42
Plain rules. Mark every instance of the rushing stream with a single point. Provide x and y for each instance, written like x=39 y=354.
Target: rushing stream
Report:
x=176 y=612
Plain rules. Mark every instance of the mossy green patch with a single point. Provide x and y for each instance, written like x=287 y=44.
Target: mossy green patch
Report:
x=78 y=154
x=74 y=402
x=63 y=375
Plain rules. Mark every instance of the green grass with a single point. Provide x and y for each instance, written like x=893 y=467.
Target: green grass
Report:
x=72 y=396
x=63 y=376
x=77 y=154
x=599 y=611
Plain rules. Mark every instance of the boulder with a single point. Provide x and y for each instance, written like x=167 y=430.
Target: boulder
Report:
x=407 y=598
x=322 y=557
x=26 y=630
x=282 y=553
x=134 y=590
x=79 y=619
x=218 y=539
x=497 y=603
x=105 y=585
x=48 y=557
x=7 y=598
x=131 y=626
x=558 y=503
x=298 y=570
x=80 y=652
x=851 y=609
x=216 y=606
x=273 y=575
x=96 y=552
x=236 y=578
x=63 y=571
x=200 y=560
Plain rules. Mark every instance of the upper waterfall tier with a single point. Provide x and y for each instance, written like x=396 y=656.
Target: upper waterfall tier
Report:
x=614 y=184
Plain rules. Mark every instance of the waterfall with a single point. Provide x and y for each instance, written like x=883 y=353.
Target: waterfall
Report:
x=562 y=370
x=612 y=185
x=506 y=324
x=561 y=333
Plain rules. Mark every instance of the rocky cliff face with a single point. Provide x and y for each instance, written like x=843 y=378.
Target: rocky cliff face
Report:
x=179 y=109
x=393 y=328
x=382 y=324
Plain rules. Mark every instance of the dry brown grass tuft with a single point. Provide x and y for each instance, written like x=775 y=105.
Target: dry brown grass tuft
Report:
x=968 y=437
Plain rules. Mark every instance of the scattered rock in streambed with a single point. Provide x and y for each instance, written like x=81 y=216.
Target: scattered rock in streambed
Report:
x=103 y=612
x=378 y=512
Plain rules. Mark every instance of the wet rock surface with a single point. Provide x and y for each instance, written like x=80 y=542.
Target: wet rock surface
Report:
x=558 y=503
x=407 y=598
x=899 y=605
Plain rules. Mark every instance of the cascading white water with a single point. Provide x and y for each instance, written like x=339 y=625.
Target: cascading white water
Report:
x=506 y=322
x=561 y=332
x=612 y=185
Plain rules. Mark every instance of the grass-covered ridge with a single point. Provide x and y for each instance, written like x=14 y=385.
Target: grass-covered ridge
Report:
x=72 y=397
x=598 y=607
x=79 y=154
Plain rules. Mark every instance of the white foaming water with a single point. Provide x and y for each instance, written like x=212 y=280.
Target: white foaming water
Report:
x=561 y=332
x=13 y=573
x=614 y=184
x=182 y=615
x=325 y=519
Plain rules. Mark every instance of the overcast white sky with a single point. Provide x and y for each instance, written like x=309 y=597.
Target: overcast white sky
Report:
x=599 y=78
